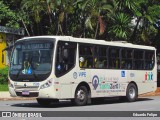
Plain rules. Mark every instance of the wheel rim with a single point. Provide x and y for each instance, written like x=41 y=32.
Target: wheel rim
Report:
x=132 y=92
x=81 y=95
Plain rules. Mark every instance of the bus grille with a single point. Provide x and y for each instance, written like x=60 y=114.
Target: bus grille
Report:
x=28 y=88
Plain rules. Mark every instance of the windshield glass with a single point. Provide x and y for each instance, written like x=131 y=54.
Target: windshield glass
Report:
x=31 y=60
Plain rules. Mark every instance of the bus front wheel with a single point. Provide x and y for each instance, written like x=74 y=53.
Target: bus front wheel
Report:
x=132 y=93
x=81 y=96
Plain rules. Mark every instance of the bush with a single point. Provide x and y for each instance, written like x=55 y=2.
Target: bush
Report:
x=4 y=75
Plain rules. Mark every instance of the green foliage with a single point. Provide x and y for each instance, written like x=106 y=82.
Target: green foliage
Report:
x=4 y=75
x=3 y=87
x=34 y=7
x=100 y=19
x=8 y=16
x=121 y=27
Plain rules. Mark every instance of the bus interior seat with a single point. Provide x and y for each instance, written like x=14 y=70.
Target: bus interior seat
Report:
x=83 y=64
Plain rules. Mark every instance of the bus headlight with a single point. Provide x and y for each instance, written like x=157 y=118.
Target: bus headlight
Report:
x=47 y=84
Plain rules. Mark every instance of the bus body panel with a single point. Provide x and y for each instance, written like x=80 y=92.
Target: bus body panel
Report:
x=102 y=82
x=107 y=83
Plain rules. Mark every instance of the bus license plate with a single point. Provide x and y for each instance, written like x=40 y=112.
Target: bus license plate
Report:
x=25 y=92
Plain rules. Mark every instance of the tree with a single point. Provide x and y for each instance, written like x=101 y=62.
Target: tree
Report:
x=34 y=8
x=121 y=19
x=105 y=19
x=93 y=12
x=121 y=27
x=146 y=20
x=7 y=16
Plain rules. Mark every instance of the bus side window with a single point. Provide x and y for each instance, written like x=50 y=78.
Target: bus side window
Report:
x=101 y=57
x=86 y=52
x=138 y=59
x=114 y=58
x=149 y=60
x=126 y=60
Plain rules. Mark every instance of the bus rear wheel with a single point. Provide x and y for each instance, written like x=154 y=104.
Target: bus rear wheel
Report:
x=81 y=96
x=132 y=93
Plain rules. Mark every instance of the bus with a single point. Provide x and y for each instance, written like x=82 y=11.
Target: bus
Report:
x=53 y=68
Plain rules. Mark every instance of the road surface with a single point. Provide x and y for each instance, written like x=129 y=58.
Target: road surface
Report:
x=144 y=105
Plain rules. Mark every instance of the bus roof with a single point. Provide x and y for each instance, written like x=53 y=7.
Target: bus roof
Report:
x=94 y=41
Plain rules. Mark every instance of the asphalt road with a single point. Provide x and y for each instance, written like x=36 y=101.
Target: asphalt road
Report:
x=143 y=104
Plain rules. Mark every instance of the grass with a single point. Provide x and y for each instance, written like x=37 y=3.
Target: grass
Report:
x=3 y=87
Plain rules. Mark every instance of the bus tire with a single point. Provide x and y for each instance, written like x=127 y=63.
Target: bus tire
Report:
x=81 y=96
x=131 y=93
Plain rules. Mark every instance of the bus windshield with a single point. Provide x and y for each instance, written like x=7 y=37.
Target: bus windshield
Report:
x=31 y=60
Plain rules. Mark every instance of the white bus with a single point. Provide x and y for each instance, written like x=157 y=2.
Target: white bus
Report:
x=52 y=68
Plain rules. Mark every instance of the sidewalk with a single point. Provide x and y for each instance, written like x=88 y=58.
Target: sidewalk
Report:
x=6 y=95
x=156 y=93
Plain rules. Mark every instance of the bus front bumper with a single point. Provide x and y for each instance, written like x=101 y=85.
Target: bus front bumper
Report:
x=49 y=92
